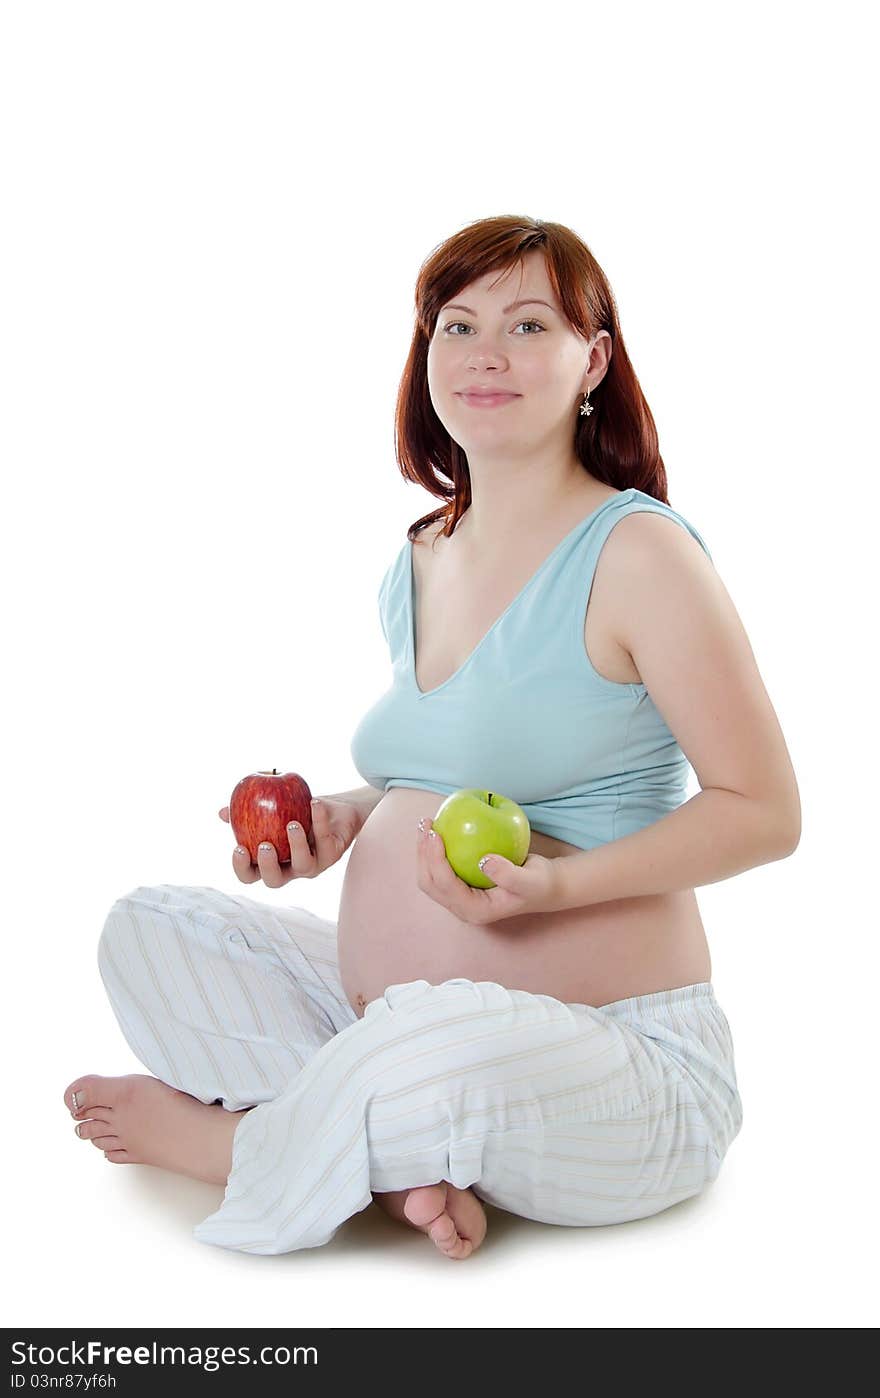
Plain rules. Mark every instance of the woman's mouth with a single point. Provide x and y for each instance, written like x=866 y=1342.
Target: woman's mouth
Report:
x=488 y=400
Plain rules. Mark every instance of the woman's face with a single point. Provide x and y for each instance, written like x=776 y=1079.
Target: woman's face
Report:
x=484 y=340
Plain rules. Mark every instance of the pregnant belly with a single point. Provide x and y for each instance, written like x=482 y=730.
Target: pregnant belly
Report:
x=390 y=932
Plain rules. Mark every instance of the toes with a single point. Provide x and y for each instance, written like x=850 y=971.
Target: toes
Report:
x=423 y=1204
x=88 y=1094
x=78 y=1087
x=467 y=1214
x=105 y=1143
x=92 y=1129
x=443 y=1232
x=461 y=1248
x=444 y=1235
x=425 y=1207
x=94 y=1119
x=68 y=1097
x=101 y=1135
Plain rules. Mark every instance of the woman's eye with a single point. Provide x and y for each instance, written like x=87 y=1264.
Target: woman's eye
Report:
x=453 y=324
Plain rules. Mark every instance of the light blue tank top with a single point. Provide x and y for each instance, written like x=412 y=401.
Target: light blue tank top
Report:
x=527 y=715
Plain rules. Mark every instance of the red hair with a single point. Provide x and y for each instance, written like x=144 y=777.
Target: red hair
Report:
x=617 y=442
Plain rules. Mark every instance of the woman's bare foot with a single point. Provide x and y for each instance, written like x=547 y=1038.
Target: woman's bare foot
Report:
x=454 y=1219
x=138 y=1120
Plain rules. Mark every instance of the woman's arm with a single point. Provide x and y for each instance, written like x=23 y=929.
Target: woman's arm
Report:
x=685 y=636
x=715 y=835
x=364 y=798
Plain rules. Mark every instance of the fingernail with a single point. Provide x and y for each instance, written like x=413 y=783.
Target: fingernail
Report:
x=240 y=849
x=422 y=825
x=294 y=825
x=265 y=848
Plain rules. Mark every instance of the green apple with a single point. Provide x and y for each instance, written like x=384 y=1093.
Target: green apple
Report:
x=472 y=823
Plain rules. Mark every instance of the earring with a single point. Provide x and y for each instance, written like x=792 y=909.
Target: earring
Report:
x=586 y=406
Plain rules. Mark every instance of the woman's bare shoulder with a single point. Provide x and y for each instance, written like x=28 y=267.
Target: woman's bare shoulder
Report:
x=427 y=537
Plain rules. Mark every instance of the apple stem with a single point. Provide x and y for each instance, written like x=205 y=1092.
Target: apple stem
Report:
x=490 y=798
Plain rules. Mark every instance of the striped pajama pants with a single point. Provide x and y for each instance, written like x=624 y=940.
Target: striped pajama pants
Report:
x=563 y=1113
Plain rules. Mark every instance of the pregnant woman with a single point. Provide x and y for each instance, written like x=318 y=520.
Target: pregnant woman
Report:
x=552 y=1044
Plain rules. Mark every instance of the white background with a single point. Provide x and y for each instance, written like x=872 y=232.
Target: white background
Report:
x=215 y=216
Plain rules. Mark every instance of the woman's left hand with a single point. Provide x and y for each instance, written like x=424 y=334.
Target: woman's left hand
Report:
x=519 y=888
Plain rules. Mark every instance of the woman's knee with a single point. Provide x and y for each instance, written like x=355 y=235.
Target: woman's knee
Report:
x=456 y=1035
x=137 y=919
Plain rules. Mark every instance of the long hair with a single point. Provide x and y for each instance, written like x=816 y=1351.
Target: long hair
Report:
x=616 y=443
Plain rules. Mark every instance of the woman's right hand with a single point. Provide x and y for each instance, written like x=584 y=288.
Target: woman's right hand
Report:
x=334 y=826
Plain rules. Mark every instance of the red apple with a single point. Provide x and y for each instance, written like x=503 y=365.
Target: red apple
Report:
x=261 y=806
